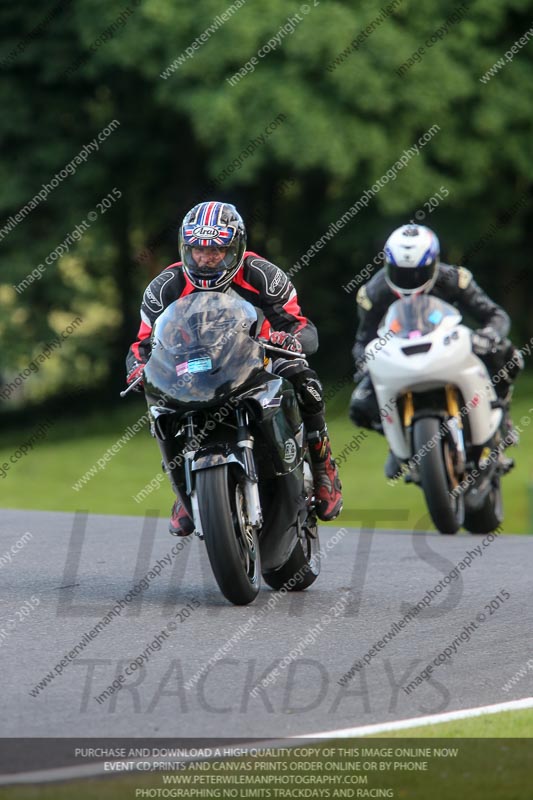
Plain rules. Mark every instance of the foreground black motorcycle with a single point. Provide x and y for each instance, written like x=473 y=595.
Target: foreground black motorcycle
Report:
x=233 y=444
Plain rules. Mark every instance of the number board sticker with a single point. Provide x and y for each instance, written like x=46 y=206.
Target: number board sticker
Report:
x=435 y=316
x=200 y=365
x=196 y=365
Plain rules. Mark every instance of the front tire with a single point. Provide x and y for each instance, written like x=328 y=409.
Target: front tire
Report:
x=446 y=510
x=231 y=543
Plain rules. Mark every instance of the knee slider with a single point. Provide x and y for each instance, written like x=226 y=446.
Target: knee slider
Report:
x=359 y=416
x=363 y=405
x=515 y=363
x=308 y=388
x=310 y=395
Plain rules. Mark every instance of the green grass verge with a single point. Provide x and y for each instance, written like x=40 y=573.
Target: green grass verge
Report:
x=44 y=478
x=505 y=725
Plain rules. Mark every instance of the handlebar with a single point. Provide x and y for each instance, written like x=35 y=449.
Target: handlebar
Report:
x=280 y=350
x=132 y=385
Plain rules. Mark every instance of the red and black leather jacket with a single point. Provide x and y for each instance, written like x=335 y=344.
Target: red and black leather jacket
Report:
x=258 y=281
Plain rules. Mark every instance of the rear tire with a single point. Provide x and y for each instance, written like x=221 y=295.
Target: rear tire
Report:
x=490 y=515
x=446 y=510
x=232 y=547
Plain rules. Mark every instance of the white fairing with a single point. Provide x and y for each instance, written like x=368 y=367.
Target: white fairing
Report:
x=450 y=360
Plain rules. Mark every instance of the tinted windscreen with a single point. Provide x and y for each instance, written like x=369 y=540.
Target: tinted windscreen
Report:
x=415 y=316
x=202 y=348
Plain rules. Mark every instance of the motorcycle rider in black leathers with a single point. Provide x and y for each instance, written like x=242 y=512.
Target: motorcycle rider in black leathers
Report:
x=214 y=258
x=412 y=265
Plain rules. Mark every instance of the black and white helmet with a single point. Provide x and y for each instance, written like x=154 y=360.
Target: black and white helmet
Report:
x=411 y=259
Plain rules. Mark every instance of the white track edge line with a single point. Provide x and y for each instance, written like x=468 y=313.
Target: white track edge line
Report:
x=415 y=722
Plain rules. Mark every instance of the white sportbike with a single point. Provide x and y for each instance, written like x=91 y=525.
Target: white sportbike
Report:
x=440 y=413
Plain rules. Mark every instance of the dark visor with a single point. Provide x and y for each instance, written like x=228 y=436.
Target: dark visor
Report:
x=410 y=278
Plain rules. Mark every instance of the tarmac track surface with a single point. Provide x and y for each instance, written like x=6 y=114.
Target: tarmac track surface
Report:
x=79 y=566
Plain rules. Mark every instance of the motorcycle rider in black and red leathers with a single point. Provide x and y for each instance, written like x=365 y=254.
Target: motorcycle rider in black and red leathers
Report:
x=412 y=265
x=214 y=258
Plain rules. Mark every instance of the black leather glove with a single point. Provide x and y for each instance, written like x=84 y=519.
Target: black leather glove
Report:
x=485 y=340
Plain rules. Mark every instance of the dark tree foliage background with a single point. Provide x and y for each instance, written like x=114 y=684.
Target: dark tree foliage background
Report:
x=70 y=69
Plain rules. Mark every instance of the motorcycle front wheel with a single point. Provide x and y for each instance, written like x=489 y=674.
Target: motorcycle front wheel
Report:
x=232 y=545
x=445 y=508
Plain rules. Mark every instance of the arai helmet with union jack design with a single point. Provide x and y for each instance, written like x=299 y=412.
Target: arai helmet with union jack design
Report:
x=212 y=224
x=411 y=259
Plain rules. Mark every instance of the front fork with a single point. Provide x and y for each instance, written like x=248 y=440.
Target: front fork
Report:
x=454 y=424
x=242 y=455
x=245 y=441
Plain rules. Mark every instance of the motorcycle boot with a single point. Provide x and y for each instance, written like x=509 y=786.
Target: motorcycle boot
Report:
x=393 y=467
x=180 y=522
x=507 y=373
x=326 y=479
x=511 y=436
x=509 y=433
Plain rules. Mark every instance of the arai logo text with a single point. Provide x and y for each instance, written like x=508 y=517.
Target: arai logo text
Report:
x=204 y=232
